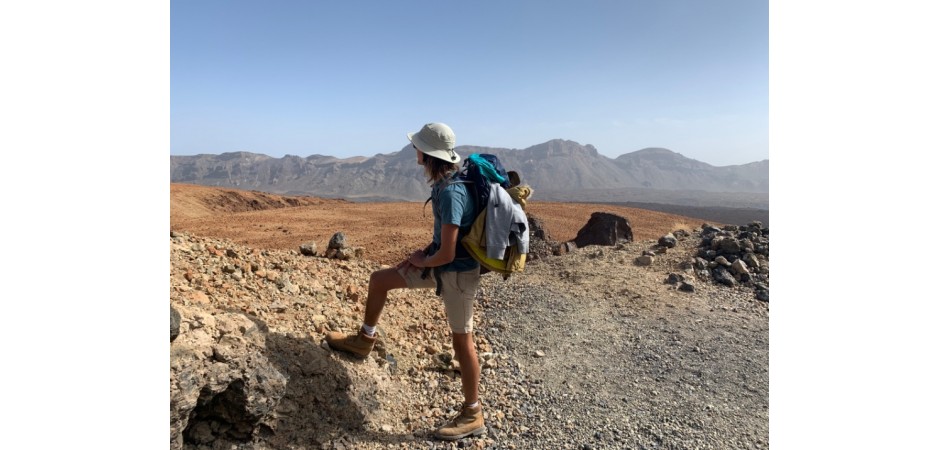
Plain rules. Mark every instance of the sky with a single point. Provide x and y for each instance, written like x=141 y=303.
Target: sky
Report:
x=350 y=78
x=88 y=118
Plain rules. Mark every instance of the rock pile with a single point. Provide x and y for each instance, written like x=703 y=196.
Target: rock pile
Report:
x=729 y=256
x=736 y=254
x=336 y=249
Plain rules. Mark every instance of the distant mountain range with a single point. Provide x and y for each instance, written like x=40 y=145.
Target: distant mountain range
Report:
x=557 y=170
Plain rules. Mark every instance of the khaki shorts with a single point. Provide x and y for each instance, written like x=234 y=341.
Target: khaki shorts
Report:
x=458 y=292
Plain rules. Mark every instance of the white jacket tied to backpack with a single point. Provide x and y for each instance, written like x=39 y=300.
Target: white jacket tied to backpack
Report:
x=503 y=214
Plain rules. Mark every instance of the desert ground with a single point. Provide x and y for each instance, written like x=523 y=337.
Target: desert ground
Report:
x=584 y=350
x=388 y=232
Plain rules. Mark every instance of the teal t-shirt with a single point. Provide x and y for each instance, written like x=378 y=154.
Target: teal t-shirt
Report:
x=452 y=205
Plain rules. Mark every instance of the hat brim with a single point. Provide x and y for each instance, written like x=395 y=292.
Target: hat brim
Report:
x=450 y=156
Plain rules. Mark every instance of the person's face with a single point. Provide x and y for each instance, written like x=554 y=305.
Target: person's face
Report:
x=419 y=155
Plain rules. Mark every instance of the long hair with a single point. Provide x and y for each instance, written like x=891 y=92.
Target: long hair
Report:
x=435 y=168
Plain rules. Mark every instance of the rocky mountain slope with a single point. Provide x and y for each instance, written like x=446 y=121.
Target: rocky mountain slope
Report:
x=558 y=170
x=589 y=349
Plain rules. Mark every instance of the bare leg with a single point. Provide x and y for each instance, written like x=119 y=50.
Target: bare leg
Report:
x=469 y=366
x=380 y=283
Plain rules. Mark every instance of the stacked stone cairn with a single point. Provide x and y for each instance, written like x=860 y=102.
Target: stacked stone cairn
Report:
x=336 y=249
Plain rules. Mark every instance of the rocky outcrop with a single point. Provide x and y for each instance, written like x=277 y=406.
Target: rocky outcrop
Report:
x=222 y=387
x=604 y=229
x=248 y=368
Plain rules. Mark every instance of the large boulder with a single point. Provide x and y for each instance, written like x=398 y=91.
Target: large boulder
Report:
x=222 y=386
x=604 y=229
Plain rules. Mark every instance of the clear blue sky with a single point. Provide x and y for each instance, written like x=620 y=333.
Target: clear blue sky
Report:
x=348 y=78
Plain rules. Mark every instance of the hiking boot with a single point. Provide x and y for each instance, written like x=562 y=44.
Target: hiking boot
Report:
x=358 y=344
x=468 y=423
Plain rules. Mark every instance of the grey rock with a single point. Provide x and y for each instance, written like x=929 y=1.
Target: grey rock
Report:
x=338 y=241
x=723 y=276
x=739 y=267
x=211 y=400
x=674 y=278
x=668 y=241
x=763 y=295
x=751 y=260
x=309 y=249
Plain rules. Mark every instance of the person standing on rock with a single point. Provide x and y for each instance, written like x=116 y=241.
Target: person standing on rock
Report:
x=444 y=265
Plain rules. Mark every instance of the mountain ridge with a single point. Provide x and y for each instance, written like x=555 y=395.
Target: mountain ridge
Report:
x=557 y=170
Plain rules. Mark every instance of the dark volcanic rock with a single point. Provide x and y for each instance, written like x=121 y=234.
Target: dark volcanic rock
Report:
x=604 y=229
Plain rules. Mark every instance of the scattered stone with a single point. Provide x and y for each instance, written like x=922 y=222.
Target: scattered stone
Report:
x=309 y=249
x=668 y=241
x=644 y=260
x=674 y=278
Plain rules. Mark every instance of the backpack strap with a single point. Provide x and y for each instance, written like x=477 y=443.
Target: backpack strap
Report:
x=460 y=252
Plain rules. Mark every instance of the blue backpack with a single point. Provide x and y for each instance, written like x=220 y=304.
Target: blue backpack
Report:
x=479 y=171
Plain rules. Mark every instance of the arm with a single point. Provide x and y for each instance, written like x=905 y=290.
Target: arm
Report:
x=407 y=261
x=444 y=255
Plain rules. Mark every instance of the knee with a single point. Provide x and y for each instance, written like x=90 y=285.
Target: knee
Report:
x=378 y=278
x=462 y=341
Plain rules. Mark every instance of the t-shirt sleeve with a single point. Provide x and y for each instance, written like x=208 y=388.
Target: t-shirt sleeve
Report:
x=452 y=205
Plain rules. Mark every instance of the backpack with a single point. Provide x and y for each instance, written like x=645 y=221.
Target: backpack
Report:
x=479 y=171
x=484 y=174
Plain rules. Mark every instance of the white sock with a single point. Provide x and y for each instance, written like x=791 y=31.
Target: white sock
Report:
x=474 y=405
x=369 y=331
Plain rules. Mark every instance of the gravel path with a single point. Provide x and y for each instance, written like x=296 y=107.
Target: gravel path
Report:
x=626 y=364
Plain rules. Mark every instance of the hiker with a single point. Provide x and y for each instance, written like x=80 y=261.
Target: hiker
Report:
x=443 y=265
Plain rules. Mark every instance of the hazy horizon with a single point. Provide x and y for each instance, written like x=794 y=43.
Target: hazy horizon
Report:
x=405 y=145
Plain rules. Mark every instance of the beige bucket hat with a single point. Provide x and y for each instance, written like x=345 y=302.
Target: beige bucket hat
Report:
x=437 y=140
